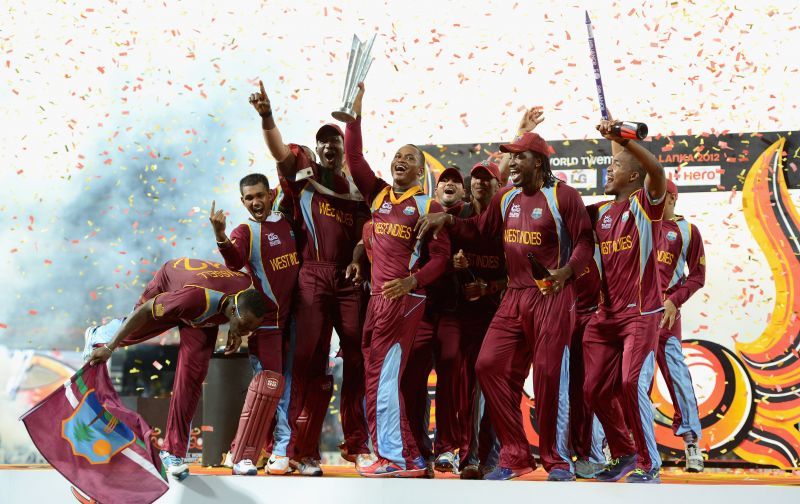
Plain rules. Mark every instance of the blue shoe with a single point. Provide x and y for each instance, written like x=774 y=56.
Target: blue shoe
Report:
x=617 y=468
x=642 y=476
x=174 y=466
x=558 y=474
x=504 y=473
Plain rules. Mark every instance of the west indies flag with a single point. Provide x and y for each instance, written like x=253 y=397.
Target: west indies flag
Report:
x=102 y=448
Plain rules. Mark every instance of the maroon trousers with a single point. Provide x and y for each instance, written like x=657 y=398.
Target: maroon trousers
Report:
x=476 y=436
x=389 y=332
x=619 y=355
x=327 y=300
x=528 y=323
x=580 y=414
x=436 y=345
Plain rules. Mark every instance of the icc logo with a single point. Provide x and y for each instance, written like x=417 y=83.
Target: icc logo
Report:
x=515 y=209
x=385 y=208
x=607 y=220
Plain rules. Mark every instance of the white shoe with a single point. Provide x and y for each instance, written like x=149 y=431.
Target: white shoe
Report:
x=244 y=467
x=95 y=336
x=694 y=459
x=364 y=460
x=307 y=467
x=447 y=462
x=278 y=464
x=228 y=460
x=175 y=466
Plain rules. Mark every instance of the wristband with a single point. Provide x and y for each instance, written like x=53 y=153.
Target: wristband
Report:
x=223 y=242
x=110 y=350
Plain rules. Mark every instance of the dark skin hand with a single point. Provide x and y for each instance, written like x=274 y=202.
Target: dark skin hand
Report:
x=399 y=287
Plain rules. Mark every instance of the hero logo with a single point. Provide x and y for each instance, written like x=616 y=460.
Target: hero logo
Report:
x=537 y=213
x=273 y=240
x=515 y=210
x=672 y=236
x=385 y=208
x=272 y=383
x=408 y=210
x=607 y=220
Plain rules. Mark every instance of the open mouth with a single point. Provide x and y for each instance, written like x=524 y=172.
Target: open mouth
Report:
x=449 y=190
x=514 y=175
x=400 y=168
x=258 y=212
x=329 y=156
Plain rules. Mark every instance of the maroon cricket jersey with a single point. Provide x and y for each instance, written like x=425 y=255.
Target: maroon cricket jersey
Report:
x=396 y=251
x=193 y=291
x=681 y=260
x=329 y=224
x=552 y=223
x=269 y=253
x=587 y=286
x=486 y=257
x=626 y=232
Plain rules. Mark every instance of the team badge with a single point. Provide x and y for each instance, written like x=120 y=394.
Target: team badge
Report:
x=625 y=216
x=606 y=224
x=672 y=236
x=537 y=213
x=273 y=240
x=385 y=208
x=95 y=434
x=159 y=310
x=408 y=210
x=515 y=210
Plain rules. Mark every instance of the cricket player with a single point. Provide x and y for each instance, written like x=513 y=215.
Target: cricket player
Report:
x=397 y=302
x=330 y=213
x=265 y=246
x=620 y=341
x=195 y=296
x=682 y=267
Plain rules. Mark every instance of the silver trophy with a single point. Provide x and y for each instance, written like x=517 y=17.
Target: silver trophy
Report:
x=357 y=67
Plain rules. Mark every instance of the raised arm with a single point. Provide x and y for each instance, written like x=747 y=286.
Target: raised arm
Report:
x=233 y=250
x=366 y=181
x=655 y=180
x=272 y=135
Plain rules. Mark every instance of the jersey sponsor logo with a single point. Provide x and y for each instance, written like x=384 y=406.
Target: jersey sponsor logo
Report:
x=409 y=210
x=385 y=208
x=537 y=213
x=284 y=261
x=672 y=235
x=606 y=224
x=625 y=216
x=273 y=239
x=392 y=229
x=341 y=217
x=515 y=210
x=665 y=257
x=523 y=237
x=618 y=245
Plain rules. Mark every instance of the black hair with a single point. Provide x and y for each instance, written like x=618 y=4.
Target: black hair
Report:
x=253 y=302
x=420 y=152
x=548 y=179
x=252 y=180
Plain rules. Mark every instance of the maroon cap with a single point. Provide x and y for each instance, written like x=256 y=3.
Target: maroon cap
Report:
x=451 y=171
x=491 y=168
x=528 y=142
x=329 y=128
x=671 y=187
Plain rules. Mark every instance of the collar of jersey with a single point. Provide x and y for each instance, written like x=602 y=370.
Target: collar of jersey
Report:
x=413 y=191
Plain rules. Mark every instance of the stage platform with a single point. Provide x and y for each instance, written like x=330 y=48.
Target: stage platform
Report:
x=26 y=484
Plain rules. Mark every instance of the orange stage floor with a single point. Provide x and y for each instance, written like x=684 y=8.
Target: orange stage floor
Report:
x=669 y=475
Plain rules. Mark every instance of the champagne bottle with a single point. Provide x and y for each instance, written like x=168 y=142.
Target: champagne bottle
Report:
x=540 y=273
x=631 y=130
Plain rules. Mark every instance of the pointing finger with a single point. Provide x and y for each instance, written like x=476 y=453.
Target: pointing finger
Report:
x=213 y=205
x=261 y=85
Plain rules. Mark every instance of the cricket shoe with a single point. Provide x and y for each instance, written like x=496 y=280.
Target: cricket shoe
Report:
x=642 y=476
x=96 y=336
x=278 y=464
x=558 y=474
x=505 y=473
x=419 y=468
x=586 y=469
x=694 y=459
x=174 y=466
x=383 y=468
x=470 y=472
x=617 y=468
x=447 y=462
x=307 y=467
x=244 y=467
x=365 y=460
